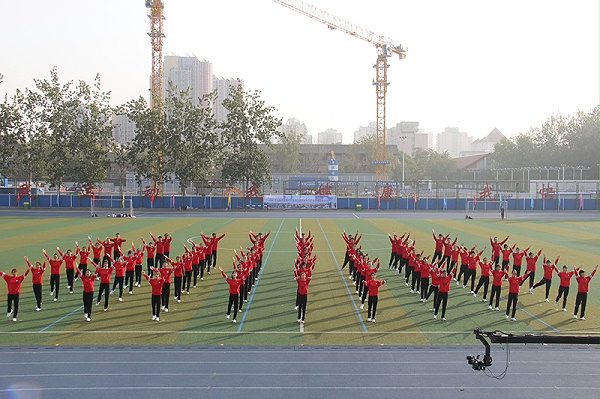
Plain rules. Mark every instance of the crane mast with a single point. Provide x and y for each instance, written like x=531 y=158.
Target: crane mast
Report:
x=385 y=48
x=155 y=13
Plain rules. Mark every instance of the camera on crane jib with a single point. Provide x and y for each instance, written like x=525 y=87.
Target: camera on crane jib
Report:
x=476 y=363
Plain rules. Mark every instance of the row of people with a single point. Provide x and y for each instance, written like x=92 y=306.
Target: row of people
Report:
x=303 y=268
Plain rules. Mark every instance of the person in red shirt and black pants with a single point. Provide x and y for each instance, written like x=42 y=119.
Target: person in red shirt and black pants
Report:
x=583 y=282
x=234 y=292
x=157 y=282
x=88 y=280
x=444 y=289
x=373 y=286
x=514 y=283
x=37 y=272
x=13 y=281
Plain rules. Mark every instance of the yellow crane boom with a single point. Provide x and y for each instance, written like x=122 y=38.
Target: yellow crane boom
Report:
x=385 y=48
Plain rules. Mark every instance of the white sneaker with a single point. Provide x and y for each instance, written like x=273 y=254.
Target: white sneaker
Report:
x=411 y=291
x=37 y=309
x=575 y=316
x=193 y=286
x=564 y=309
x=490 y=307
x=301 y=321
x=497 y=308
x=372 y=320
x=369 y=319
x=583 y=318
x=443 y=318
x=51 y=293
x=362 y=306
x=531 y=290
x=70 y=292
x=112 y=292
x=514 y=319
x=507 y=316
x=166 y=310
x=546 y=300
x=435 y=316
x=201 y=278
x=418 y=292
x=162 y=308
x=458 y=283
x=474 y=294
x=179 y=300
x=227 y=316
x=88 y=319
x=555 y=303
x=15 y=319
x=233 y=321
x=157 y=318
x=55 y=299
x=295 y=307
x=120 y=299
x=9 y=314
x=153 y=317
x=130 y=292
x=245 y=300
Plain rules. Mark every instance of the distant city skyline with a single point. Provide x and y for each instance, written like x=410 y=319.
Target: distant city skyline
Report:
x=471 y=65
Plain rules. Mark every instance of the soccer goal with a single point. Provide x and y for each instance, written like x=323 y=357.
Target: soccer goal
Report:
x=116 y=207
x=487 y=209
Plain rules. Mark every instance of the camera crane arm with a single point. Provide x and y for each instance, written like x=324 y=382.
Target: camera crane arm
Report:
x=498 y=337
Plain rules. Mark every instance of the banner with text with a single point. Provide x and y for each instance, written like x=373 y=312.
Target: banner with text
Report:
x=300 y=201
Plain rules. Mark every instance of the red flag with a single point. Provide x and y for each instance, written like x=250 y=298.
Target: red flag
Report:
x=415 y=198
x=475 y=198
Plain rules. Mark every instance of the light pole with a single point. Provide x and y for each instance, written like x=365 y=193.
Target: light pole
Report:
x=403 y=139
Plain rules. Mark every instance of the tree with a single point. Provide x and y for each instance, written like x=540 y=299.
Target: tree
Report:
x=66 y=130
x=11 y=139
x=284 y=156
x=426 y=165
x=361 y=155
x=146 y=153
x=249 y=123
x=194 y=143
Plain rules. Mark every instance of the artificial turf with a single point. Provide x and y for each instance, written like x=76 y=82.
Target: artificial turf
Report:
x=333 y=314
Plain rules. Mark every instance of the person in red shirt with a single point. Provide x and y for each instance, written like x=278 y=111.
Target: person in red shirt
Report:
x=13 y=281
x=373 y=286
x=165 y=271
x=178 y=274
x=234 y=292
x=160 y=250
x=434 y=287
x=395 y=254
x=518 y=259
x=369 y=270
x=55 y=264
x=213 y=244
x=88 y=280
x=139 y=260
x=96 y=249
x=549 y=269
x=497 y=275
x=531 y=261
x=117 y=242
x=583 y=283
x=84 y=254
x=506 y=253
x=447 y=258
x=119 y=280
x=439 y=245
x=484 y=279
x=104 y=273
x=303 y=282
x=514 y=283
x=444 y=289
x=565 y=282
x=69 y=259
x=108 y=246
x=150 y=250
x=37 y=272
x=167 y=244
x=156 y=282
x=496 y=247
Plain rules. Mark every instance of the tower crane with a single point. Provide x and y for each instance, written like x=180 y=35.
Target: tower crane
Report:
x=385 y=48
x=157 y=35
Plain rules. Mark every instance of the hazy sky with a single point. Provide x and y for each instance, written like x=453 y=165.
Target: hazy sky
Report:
x=473 y=64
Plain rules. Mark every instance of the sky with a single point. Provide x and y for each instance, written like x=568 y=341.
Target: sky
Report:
x=472 y=64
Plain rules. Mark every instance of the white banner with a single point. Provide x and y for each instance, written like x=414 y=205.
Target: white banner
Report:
x=300 y=201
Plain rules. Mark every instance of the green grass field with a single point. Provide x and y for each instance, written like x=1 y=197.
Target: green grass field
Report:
x=269 y=318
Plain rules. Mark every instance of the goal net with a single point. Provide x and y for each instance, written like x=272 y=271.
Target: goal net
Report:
x=115 y=207
x=487 y=208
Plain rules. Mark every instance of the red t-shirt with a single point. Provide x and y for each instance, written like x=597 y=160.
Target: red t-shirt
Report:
x=373 y=286
x=14 y=283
